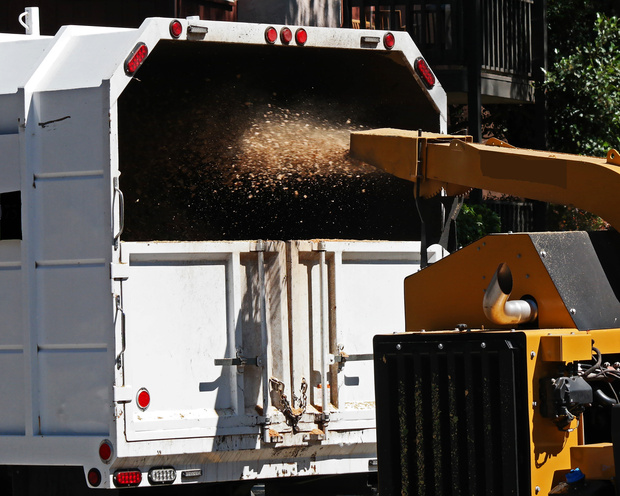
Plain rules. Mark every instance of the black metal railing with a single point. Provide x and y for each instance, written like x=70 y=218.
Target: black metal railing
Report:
x=516 y=216
x=507 y=36
x=440 y=31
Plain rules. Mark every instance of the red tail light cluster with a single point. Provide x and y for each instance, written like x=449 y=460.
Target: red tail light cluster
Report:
x=271 y=35
x=143 y=399
x=105 y=451
x=135 y=59
x=425 y=73
x=176 y=29
x=301 y=36
x=127 y=478
x=286 y=36
x=94 y=477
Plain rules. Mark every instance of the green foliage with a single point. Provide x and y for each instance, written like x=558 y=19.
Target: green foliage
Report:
x=475 y=221
x=570 y=24
x=573 y=219
x=583 y=93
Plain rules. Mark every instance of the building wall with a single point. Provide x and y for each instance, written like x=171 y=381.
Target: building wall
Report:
x=299 y=12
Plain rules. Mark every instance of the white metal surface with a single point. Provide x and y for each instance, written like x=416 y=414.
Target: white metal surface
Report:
x=84 y=324
x=189 y=304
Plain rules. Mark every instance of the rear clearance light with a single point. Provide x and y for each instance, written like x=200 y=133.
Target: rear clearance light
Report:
x=127 y=478
x=192 y=472
x=135 y=59
x=271 y=35
x=162 y=475
x=389 y=41
x=176 y=29
x=424 y=71
x=105 y=451
x=286 y=36
x=143 y=399
x=94 y=477
x=301 y=36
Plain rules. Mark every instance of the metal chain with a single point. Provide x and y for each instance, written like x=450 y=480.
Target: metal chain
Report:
x=293 y=415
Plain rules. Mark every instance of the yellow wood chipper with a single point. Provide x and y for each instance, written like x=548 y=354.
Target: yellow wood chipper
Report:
x=507 y=380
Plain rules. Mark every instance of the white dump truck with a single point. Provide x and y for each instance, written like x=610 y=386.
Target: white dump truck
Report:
x=152 y=332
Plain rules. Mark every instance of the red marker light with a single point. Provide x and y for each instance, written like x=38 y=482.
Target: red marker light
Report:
x=271 y=35
x=389 y=41
x=301 y=36
x=128 y=478
x=105 y=451
x=176 y=28
x=424 y=71
x=94 y=477
x=135 y=59
x=143 y=399
x=286 y=36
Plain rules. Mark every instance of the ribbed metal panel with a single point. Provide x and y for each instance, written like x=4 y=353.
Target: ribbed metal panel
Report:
x=450 y=417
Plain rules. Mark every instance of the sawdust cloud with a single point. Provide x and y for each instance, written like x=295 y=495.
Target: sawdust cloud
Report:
x=233 y=166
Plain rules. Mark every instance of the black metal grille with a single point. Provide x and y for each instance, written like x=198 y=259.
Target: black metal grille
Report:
x=439 y=28
x=450 y=418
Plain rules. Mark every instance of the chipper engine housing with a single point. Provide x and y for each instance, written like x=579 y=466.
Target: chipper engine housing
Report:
x=488 y=408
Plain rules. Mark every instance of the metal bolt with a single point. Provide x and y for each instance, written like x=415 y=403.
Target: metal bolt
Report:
x=616 y=365
x=483 y=345
x=543 y=253
x=534 y=404
x=398 y=346
x=532 y=355
x=440 y=346
x=537 y=489
x=572 y=311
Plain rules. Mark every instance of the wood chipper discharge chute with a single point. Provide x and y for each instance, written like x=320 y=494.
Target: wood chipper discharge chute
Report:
x=509 y=377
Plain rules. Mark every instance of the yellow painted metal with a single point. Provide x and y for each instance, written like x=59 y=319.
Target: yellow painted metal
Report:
x=457 y=164
x=566 y=348
x=588 y=183
x=549 y=447
x=606 y=340
x=450 y=292
x=401 y=153
x=613 y=157
x=596 y=461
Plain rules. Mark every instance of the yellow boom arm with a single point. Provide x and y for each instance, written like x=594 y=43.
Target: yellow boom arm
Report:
x=457 y=164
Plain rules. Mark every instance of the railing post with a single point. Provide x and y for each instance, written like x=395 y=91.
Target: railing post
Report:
x=473 y=37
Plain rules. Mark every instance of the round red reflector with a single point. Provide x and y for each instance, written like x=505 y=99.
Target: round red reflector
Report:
x=286 y=36
x=94 y=477
x=176 y=28
x=389 y=40
x=105 y=451
x=424 y=71
x=144 y=399
x=271 y=35
x=128 y=478
x=135 y=59
x=301 y=36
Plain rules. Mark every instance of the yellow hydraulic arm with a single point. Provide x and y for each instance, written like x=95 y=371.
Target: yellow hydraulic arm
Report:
x=456 y=164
